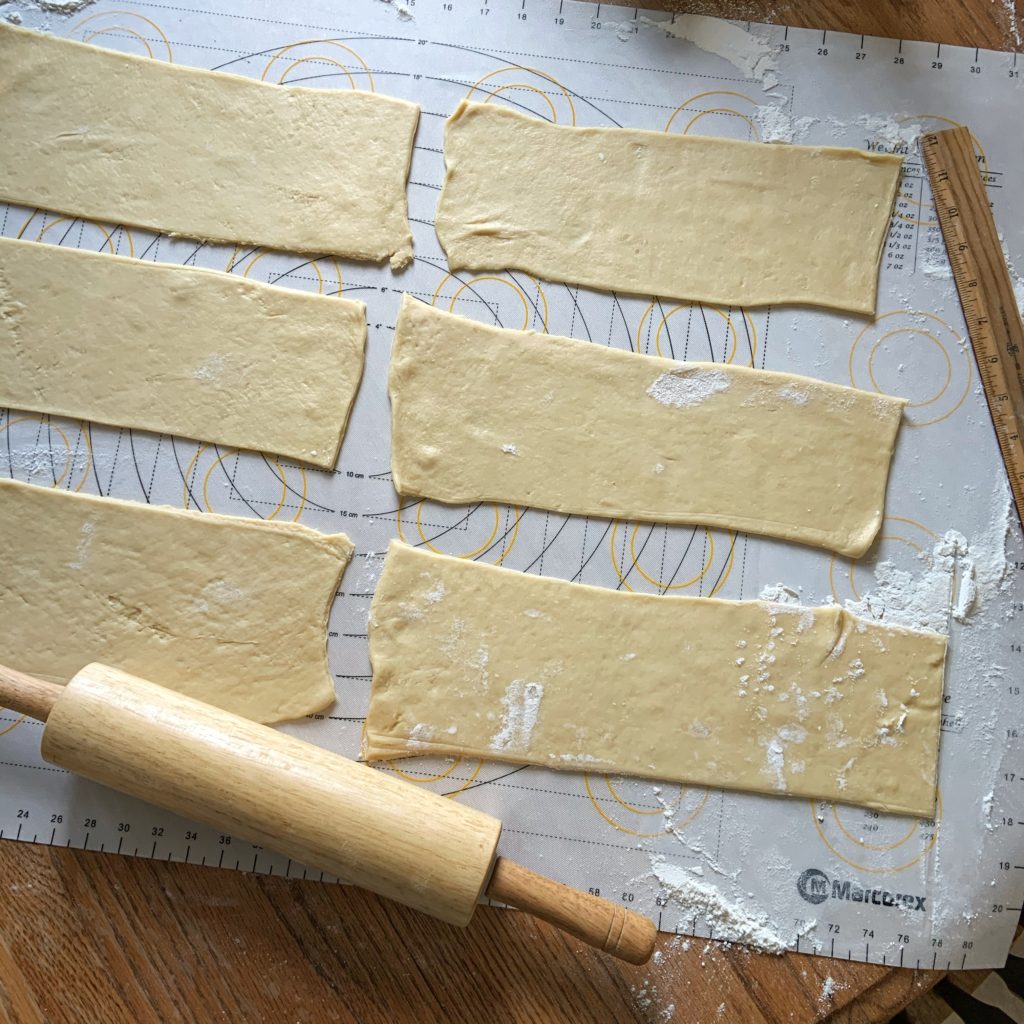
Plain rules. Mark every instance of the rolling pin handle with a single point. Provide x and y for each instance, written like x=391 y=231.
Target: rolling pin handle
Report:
x=27 y=695
x=622 y=933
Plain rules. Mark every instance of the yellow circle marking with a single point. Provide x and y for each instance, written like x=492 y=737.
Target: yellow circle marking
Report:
x=434 y=778
x=14 y=725
x=313 y=57
x=69 y=458
x=527 y=88
x=119 y=28
x=881 y=847
x=701 y=95
x=640 y=810
x=728 y=567
x=108 y=236
x=478 y=84
x=131 y=14
x=472 y=554
x=635 y=564
x=930 y=336
x=424 y=779
x=885 y=536
x=730 y=324
x=916 y=333
x=634 y=832
x=219 y=461
x=722 y=110
x=321 y=286
x=520 y=294
x=886 y=870
x=317 y=60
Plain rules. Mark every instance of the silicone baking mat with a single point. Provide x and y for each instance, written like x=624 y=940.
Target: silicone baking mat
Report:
x=831 y=879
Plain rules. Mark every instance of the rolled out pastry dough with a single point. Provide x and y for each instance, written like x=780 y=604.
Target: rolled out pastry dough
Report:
x=477 y=660
x=94 y=133
x=482 y=413
x=686 y=217
x=177 y=350
x=229 y=611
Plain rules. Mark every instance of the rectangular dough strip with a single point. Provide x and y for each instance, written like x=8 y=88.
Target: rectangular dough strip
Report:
x=94 y=133
x=483 y=413
x=230 y=611
x=482 y=661
x=680 y=216
x=177 y=350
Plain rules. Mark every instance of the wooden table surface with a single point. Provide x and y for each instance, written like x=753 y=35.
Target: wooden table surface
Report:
x=91 y=937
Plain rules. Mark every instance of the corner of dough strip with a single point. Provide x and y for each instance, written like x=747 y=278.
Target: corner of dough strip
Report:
x=95 y=133
x=481 y=413
x=199 y=353
x=681 y=216
x=227 y=610
x=481 y=661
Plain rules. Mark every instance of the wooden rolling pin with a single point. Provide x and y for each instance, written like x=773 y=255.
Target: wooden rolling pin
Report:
x=320 y=809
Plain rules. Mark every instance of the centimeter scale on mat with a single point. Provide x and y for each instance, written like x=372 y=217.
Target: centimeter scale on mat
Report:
x=575 y=54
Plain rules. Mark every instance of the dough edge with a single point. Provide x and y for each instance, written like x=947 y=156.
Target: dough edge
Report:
x=338 y=545
x=853 y=546
x=378 y=746
x=327 y=459
x=445 y=224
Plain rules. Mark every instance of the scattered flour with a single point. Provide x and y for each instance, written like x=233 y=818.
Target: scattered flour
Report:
x=753 y=55
x=778 y=593
x=522 y=706
x=729 y=920
x=688 y=387
x=954 y=579
x=403 y=10
x=63 y=6
x=436 y=593
x=510 y=449
x=775 y=125
x=40 y=459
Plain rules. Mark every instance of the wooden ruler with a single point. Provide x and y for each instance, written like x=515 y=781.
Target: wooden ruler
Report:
x=983 y=283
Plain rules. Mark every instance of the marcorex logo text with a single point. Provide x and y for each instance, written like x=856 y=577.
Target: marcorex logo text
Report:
x=816 y=887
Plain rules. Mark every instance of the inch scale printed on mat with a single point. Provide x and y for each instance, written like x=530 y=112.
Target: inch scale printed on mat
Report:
x=835 y=880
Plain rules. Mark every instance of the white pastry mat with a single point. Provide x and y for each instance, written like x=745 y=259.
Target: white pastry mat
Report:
x=578 y=63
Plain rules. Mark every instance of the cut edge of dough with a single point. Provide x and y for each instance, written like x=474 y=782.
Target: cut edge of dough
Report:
x=338 y=545
x=325 y=460
x=382 y=747
x=443 y=224
x=852 y=546
x=398 y=259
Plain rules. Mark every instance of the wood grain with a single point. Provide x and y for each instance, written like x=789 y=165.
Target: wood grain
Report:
x=87 y=937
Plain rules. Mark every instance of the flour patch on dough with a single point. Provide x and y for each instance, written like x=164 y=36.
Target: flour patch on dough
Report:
x=210 y=368
x=522 y=706
x=683 y=388
x=794 y=394
x=86 y=534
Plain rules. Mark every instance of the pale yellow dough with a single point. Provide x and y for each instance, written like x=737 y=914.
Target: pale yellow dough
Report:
x=684 y=217
x=177 y=350
x=480 y=413
x=229 y=611
x=481 y=661
x=99 y=134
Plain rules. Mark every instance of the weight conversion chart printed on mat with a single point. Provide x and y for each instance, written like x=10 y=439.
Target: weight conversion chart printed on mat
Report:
x=781 y=873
